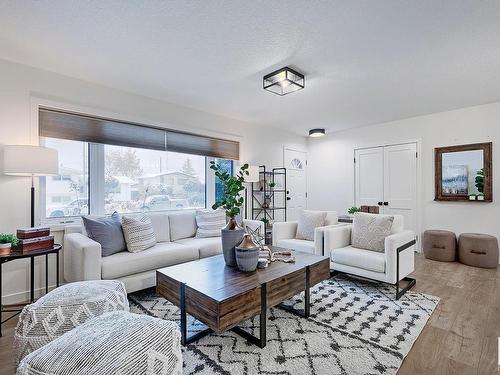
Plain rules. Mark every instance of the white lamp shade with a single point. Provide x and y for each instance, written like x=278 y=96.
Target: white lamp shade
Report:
x=253 y=174
x=27 y=160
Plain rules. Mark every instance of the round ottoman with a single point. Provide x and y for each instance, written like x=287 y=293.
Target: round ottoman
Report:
x=440 y=245
x=63 y=309
x=478 y=250
x=116 y=343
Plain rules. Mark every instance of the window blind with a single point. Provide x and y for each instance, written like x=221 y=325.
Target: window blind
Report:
x=79 y=127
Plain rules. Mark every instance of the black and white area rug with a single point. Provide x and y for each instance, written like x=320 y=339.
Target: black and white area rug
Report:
x=356 y=327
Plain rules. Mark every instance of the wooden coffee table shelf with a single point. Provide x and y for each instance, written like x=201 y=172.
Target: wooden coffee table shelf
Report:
x=222 y=297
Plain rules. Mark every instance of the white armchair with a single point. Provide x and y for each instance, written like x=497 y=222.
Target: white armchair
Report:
x=284 y=235
x=390 y=266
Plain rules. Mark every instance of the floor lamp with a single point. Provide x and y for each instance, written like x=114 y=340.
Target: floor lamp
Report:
x=253 y=176
x=30 y=161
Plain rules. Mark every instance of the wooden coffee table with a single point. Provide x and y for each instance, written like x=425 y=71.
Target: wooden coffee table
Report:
x=222 y=297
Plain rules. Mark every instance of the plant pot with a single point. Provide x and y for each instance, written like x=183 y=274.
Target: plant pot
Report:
x=231 y=236
x=5 y=248
x=247 y=255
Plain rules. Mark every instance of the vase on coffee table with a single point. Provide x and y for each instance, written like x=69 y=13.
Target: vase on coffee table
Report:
x=232 y=235
x=247 y=254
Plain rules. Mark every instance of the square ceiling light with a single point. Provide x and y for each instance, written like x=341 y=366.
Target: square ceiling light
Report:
x=284 y=81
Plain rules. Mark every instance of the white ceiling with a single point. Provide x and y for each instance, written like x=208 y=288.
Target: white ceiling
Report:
x=365 y=61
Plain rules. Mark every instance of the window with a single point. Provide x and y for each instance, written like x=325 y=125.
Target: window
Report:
x=109 y=165
x=227 y=166
x=148 y=180
x=68 y=193
x=121 y=179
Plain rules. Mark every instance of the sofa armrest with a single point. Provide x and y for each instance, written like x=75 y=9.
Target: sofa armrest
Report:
x=336 y=237
x=406 y=255
x=82 y=258
x=284 y=231
x=319 y=238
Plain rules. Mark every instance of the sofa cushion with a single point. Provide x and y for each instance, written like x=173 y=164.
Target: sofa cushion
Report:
x=304 y=246
x=106 y=230
x=210 y=222
x=161 y=226
x=161 y=255
x=206 y=246
x=360 y=258
x=370 y=230
x=139 y=233
x=182 y=225
x=308 y=221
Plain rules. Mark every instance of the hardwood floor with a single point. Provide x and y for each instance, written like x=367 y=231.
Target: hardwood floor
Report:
x=460 y=338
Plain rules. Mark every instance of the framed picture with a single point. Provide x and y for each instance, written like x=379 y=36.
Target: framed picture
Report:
x=463 y=173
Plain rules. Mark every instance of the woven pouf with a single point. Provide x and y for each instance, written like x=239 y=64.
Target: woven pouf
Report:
x=114 y=343
x=440 y=245
x=63 y=309
x=478 y=250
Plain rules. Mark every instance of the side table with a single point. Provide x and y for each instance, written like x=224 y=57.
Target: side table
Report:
x=31 y=254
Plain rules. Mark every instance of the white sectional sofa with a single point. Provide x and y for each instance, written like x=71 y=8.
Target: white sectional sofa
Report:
x=175 y=234
x=284 y=235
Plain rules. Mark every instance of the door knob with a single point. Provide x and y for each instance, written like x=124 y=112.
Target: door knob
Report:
x=288 y=198
x=380 y=203
x=386 y=203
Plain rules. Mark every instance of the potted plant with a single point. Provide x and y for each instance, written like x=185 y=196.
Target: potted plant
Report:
x=231 y=201
x=6 y=242
x=353 y=210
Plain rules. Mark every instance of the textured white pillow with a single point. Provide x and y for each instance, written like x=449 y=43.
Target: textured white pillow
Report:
x=210 y=222
x=138 y=232
x=308 y=221
x=369 y=231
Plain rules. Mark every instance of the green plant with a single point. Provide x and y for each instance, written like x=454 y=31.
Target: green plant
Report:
x=353 y=210
x=231 y=200
x=8 y=238
x=480 y=180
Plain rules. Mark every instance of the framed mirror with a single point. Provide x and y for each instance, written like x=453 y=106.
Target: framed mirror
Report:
x=463 y=173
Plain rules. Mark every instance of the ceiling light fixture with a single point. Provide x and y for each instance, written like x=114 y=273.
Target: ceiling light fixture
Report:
x=316 y=132
x=284 y=81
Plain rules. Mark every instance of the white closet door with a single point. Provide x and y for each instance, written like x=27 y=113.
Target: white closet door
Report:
x=369 y=175
x=400 y=182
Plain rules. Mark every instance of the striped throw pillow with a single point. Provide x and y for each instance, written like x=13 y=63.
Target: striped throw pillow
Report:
x=209 y=223
x=138 y=232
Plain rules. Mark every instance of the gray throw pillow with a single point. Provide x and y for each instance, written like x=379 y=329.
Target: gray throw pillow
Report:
x=370 y=230
x=107 y=231
x=308 y=221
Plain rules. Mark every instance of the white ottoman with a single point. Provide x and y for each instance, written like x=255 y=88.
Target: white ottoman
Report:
x=63 y=309
x=114 y=343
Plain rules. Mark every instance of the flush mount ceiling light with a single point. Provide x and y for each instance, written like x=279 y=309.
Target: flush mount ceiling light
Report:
x=284 y=81
x=316 y=132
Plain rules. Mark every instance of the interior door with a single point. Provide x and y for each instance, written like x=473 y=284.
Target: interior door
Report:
x=295 y=163
x=400 y=182
x=369 y=176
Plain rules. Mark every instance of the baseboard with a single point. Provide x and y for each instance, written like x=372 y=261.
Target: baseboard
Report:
x=24 y=296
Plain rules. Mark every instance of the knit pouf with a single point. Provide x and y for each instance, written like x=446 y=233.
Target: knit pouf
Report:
x=63 y=309
x=114 y=343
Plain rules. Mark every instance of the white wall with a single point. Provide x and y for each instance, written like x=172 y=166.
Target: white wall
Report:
x=331 y=168
x=21 y=86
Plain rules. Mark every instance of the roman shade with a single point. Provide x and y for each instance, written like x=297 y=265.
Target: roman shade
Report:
x=79 y=127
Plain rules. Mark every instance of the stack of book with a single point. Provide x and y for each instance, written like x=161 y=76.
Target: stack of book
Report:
x=33 y=239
